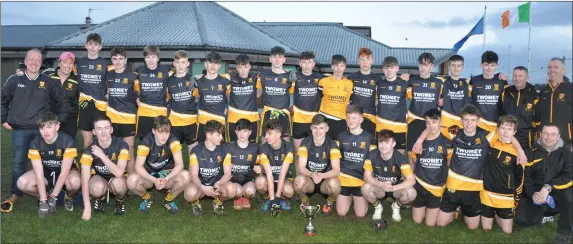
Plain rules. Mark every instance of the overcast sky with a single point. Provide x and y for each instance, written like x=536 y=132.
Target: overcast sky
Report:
x=432 y=25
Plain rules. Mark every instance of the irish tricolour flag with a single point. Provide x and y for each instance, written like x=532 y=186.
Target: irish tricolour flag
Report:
x=516 y=15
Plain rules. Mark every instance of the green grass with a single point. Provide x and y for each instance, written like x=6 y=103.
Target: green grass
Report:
x=23 y=224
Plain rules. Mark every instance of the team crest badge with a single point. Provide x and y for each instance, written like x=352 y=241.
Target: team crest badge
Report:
x=162 y=152
x=250 y=80
x=323 y=155
x=345 y=89
x=432 y=85
x=529 y=106
x=316 y=80
x=70 y=86
x=561 y=97
x=160 y=75
x=249 y=157
x=461 y=83
x=362 y=144
x=507 y=160
x=496 y=87
x=440 y=149
x=478 y=141
x=219 y=87
x=282 y=157
x=398 y=88
x=187 y=83
x=125 y=81
x=59 y=153
x=41 y=84
x=219 y=159
x=283 y=80
x=393 y=168
x=98 y=67
x=372 y=83
x=113 y=157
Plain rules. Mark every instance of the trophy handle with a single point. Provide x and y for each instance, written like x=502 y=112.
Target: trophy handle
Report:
x=302 y=210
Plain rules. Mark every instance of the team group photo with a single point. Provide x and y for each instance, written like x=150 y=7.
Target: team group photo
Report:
x=115 y=138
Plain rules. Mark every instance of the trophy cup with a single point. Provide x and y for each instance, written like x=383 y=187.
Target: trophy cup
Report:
x=309 y=212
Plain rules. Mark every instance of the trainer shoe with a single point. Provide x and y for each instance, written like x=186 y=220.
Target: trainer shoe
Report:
x=547 y=219
x=285 y=204
x=218 y=209
x=238 y=204
x=197 y=209
x=396 y=212
x=68 y=203
x=377 y=212
x=171 y=207
x=246 y=203
x=145 y=205
x=99 y=205
x=266 y=205
x=119 y=208
x=326 y=209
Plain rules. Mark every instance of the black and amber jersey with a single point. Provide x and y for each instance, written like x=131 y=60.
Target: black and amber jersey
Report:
x=91 y=77
x=554 y=107
x=122 y=105
x=502 y=176
x=53 y=154
x=318 y=157
x=553 y=168
x=431 y=167
x=243 y=98
x=364 y=91
x=210 y=163
x=212 y=98
x=455 y=95
x=277 y=89
x=158 y=158
x=392 y=108
x=242 y=159
x=387 y=170
x=117 y=150
x=469 y=156
x=486 y=96
x=72 y=88
x=424 y=95
x=354 y=149
x=521 y=104
x=335 y=97
x=306 y=97
x=276 y=157
x=152 y=90
x=182 y=105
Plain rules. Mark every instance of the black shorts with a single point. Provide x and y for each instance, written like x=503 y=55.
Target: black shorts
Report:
x=350 y=191
x=415 y=129
x=70 y=127
x=242 y=179
x=301 y=130
x=232 y=135
x=424 y=198
x=123 y=130
x=400 y=140
x=469 y=201
x=52 y=177
x=285 y=122
x=369 y=126
x=490 y=212
x=185 y=134
x=144 y=126
x=201 y=133
x=336 y=127
x=87 y=115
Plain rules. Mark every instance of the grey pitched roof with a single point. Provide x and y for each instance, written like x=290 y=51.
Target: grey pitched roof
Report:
x=180 y=24
x=327 y=39
x=28 y=36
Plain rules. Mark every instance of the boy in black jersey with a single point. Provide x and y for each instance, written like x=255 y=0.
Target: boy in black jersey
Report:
x=52 y=155
x=276 y=156
x=182 y=105
x=103 y=166
x=383 y=172
x=243 y=99
x=455 y=95
x=243 y=155
x=364 y=93
x=159 y=163
x=210 y=171
x=318 y=166
x=430 y=171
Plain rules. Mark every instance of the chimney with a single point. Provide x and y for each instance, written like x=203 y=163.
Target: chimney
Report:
x=88 y=23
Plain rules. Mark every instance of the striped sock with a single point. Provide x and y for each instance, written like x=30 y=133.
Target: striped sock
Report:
x=195 y=202
x=68 y=197
x=376 y=203
x=147 y=196
x=304 y=198
x=330 y=200
x=218 y=200
x=169 y=197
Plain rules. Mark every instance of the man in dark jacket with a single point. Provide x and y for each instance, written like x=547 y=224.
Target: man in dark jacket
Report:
x=23 y=99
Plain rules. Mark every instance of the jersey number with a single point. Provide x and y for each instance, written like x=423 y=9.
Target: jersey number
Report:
x=353 y=144
x=488 y=87
x=53 y=175
x=424 y=84
x=242 y=157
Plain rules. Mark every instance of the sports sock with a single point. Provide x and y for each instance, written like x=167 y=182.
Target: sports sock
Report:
x=169 y=197
x=266 y=196
x=67 y=197
x=195 y=202
x=218 y=200
x=304 y=198
x=147 y=196
x=376 y=203
x=330 y=200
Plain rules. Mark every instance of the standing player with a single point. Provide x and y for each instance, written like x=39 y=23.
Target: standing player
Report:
x=454 y=96
x=182 y=106
x=364 y=93
x=52 y=155
x=502 y=178
x=122 y=99
x=431 y=170
x=152 y=91
x=243 y=98
x=159 y=163
x=213 y=91
x=103 y=167
x=277 y=86
x=383 y=172
x=486 y=90
x=335 y=91
x=276 y=156
x=243 y=155
x=210 y=175
x=91 y=71
x=354 y=145
x=306 y=97
x=392 y=103
x=318 y=166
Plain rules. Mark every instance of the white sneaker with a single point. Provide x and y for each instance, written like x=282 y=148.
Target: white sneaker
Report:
x=396 y=212
x=377 y=212
x=547 y=219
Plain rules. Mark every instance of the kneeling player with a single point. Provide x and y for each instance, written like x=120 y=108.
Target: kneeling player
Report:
x=243 y=155
x=210 y=175
x=106 y=158
x=52 y=155
x=276 y=155
x=318 y=165
x=159 y=163
x=383 y=171
x=431 y=171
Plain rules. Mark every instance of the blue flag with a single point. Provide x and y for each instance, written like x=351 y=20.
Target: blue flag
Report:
x=477 y=30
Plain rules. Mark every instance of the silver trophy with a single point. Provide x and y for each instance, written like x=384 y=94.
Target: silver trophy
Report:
x=310 y=212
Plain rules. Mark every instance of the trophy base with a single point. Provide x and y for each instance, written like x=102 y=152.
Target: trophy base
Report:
x=309 y=233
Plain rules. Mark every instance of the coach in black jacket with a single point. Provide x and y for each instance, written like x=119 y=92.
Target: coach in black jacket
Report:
x=23 y=99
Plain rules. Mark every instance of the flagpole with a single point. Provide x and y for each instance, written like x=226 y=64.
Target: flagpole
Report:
x=484 y=26
x=529 y=41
